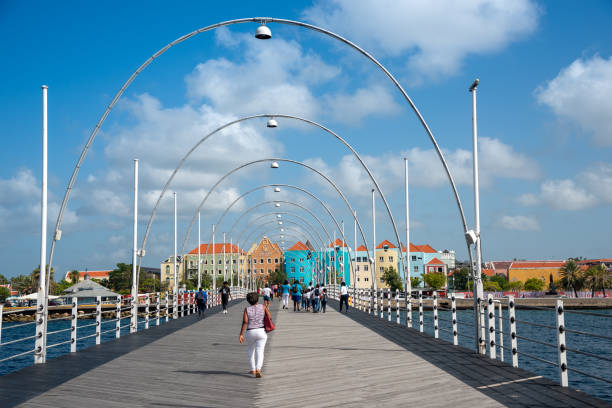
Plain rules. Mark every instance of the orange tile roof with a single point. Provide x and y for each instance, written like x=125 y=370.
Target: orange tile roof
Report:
x=584 y=261
x=299 y=246
x=338 y=243
x=362 y=248
x=488 y=272
x=92 y=274
x=387 y=243
x=208 y=249
x=435 y=261
x=536 y=264
x=413 y=248
x=427 y=249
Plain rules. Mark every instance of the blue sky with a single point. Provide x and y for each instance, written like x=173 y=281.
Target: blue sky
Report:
x=543 y=104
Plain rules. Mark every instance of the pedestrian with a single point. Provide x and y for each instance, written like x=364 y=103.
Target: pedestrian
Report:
x=324 y=300
x=226 y=296
x=343 y=297
x=201 y=298
x=296 y=292
x=305 y=299
x=316 y=294
x=267 y=292
x=256 y=337
x=285 y=289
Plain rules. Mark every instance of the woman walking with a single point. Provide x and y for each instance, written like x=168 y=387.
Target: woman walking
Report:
x=256 y=337
x=267 y=295
x=286 y=288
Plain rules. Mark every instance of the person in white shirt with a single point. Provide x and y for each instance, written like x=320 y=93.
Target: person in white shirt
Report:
x=343 y=296
x=266 y=295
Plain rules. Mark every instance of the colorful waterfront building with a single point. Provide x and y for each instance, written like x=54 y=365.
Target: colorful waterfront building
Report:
x=264 y=258
x=300 y=262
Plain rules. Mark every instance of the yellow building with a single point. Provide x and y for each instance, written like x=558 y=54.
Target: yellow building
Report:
x=387 y=256
x=362 y=272
x=523 y=270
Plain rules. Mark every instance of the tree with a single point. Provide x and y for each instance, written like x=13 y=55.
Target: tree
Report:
x=3 y=280
x=392 y=279
x=571 y=276
x=501 y=281
x=596 y=277
x=120 y=278
x=461 y=278
x=277 y=277
x=435 y=280
x=74 y=276
x=491 y=286
x=534 y=284
x=4 y=293
x=22 y=284
x=415 y=281
x=515 y=286
x=61 y=286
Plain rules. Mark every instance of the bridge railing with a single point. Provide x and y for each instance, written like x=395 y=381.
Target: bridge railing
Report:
x=98 y=321
x=543 y=340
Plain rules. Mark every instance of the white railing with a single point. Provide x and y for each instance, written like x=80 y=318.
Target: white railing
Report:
x=158 y=307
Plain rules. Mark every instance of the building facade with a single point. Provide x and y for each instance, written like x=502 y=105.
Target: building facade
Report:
x=300 y=262
x=264 y=258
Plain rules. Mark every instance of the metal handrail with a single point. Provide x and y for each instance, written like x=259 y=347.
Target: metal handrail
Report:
x=586 y=353
x=536 y=341
x=17 y=325
x=522 y=353
x=590 y=375
x=17 y=355
x=18 y=340
x=601 y=336
x=589 y=313
x=536 y=324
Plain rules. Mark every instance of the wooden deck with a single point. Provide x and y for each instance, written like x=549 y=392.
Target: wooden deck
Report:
x=312 y=360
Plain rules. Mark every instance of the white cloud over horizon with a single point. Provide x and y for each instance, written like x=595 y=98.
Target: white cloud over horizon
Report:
x=519 y=223
x=581 y=93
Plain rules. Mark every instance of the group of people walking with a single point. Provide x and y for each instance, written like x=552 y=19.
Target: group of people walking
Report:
x=312 y=297
x=201 y=298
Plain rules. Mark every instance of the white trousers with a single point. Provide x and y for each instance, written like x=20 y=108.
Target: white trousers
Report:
x=256 y=342
x=286 y=299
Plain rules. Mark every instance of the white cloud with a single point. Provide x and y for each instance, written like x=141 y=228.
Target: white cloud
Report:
x=590 y=188
x=519 y=223
x=497 y=161
x=581 y=93
x=351 y=108
x=436 y=35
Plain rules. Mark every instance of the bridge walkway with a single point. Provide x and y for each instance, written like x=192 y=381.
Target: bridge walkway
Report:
x=312 y=360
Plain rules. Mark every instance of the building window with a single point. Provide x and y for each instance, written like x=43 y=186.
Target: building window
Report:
x=358 y=279
x=301 y=279
x=332 y=259
x=390 y=259
x=293 y=269
x=357 y=268
x=254 y=260
x=366 y=279
x=365 y=268
x=269 y=260
x=341 y=258
x=234 y=261
x=219 y=262
x=382 y=269
x=191 y=264
x=220 y=272
x=439 y=269
x=416 y=268
x=167 y=268
x=241 y=261
x=381 y=259
x=301 y=260
x=261 y=261
x=275 y=260
x=301 y=269
x=414 y=257
x=205 y=261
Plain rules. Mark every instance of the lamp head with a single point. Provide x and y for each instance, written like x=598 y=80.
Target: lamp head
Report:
x=274 y=165
x=276 y=189
x=272 y=123
x=277 y=204
x=263 y=32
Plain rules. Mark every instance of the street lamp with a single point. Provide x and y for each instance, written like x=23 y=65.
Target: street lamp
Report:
x=274 y=165
x=272 y=123
x=277 y=190
x=277 y=204
x=263 y=32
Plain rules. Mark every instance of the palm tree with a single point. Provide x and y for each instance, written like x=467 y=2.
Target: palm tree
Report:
x=597 y=277
x=571 y=276
x=74 y=276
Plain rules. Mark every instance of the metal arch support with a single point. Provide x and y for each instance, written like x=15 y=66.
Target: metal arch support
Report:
x=272 y=160
x=185 y=37
x=310 y=122
x=291 y=214
x=315 y=237
x=256 y=229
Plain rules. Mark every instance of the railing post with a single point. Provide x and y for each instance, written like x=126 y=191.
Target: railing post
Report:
x=158 y=304
x=388 y=292
x=118 y=317
x=174 y=304
x=1 y=317
x=421 y=311
x=382 y=304
x=513 y=339
x=561 y=348
x=491 y=316
x=167 y=305
x=435 y=313
x=147 y=310
x=500 y=321
x=98 y=318
x=73 y=326
x=454 y=317
x=133 y=314
x=397 y=308
x=481 y=319
x=409 y=309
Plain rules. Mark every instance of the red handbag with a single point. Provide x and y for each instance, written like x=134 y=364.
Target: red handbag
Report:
x=268 y=324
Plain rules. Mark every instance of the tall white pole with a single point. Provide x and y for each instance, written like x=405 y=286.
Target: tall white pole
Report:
x=355 y=252
x=214 y=271
x=199 y=255
x=134 y=319
x=231 y=261
x=478 y=290
x=224 y=262
x=333 y=281
x=374 y=271
x=175 y=289
x=408 y=271
x=342 y=249
x=41 y=307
